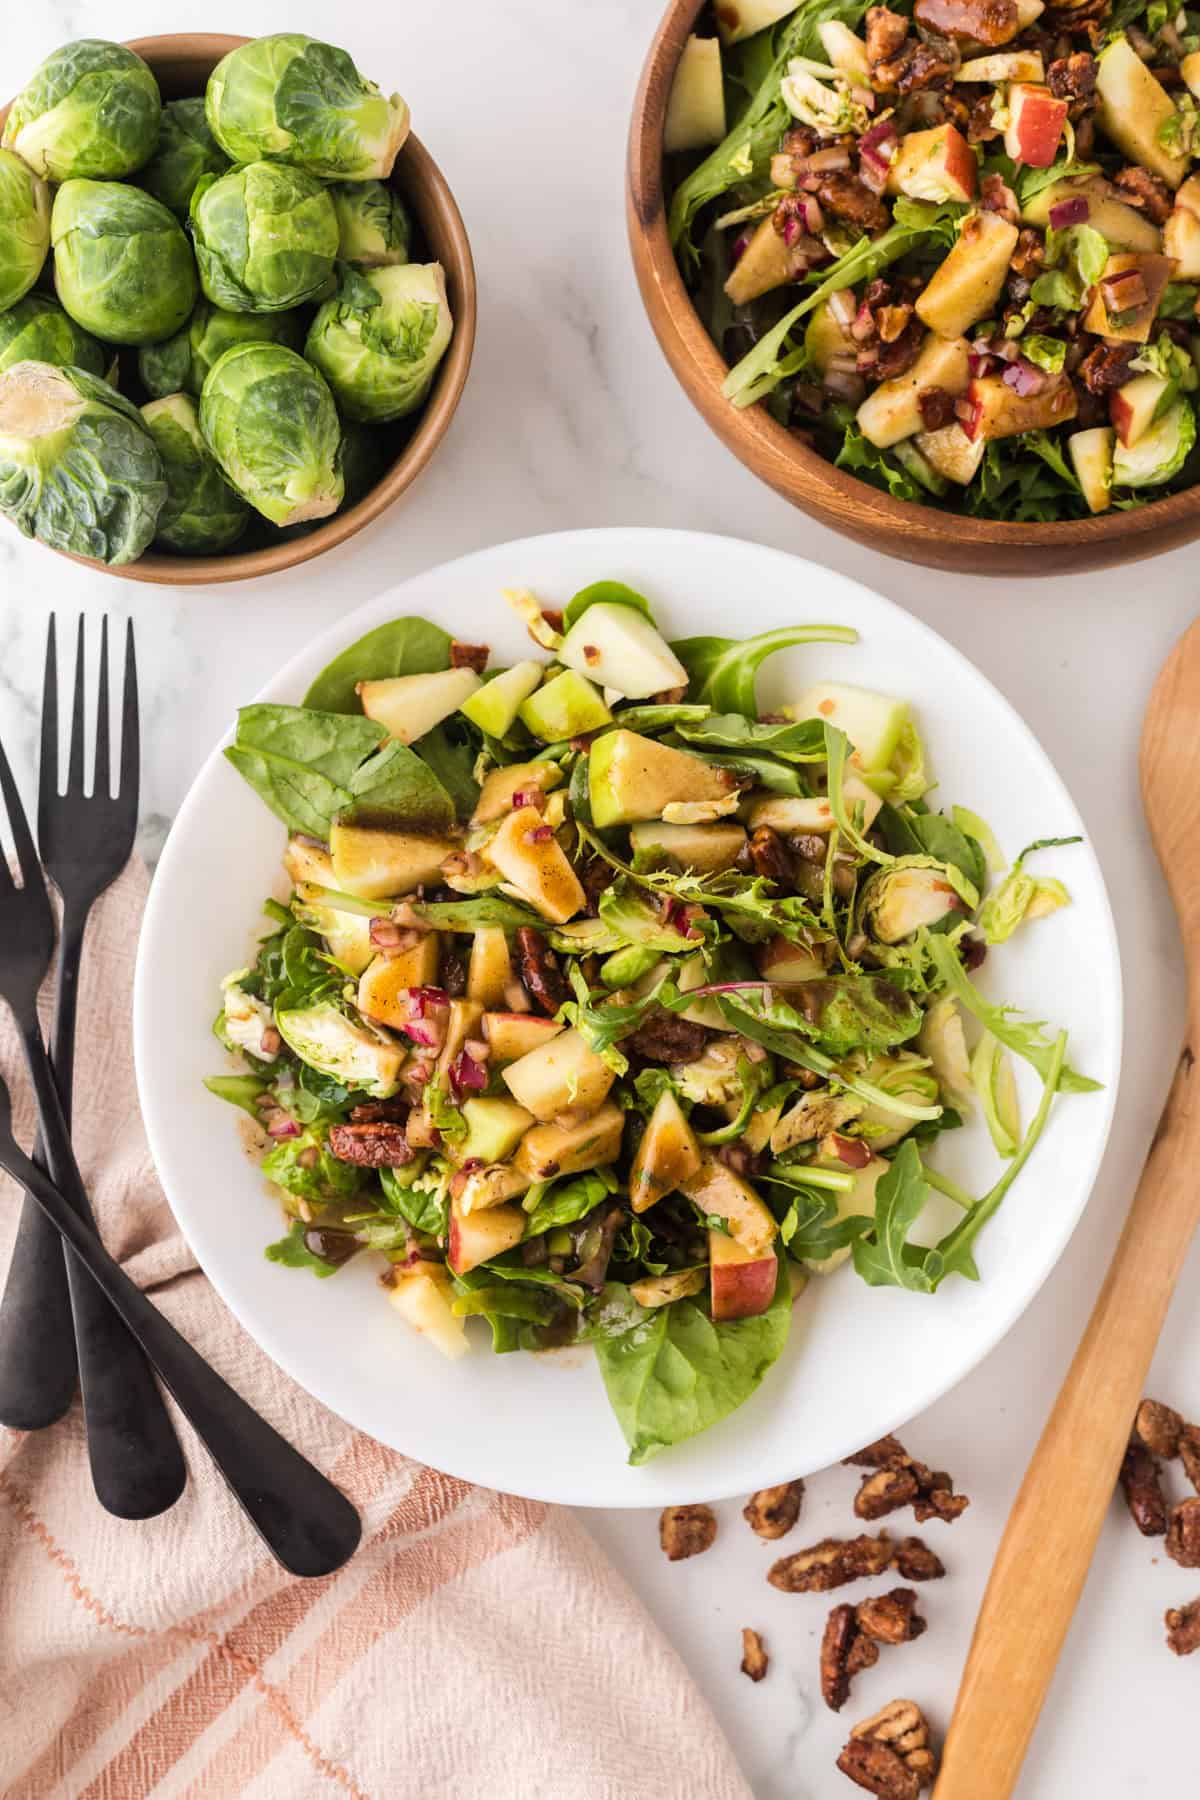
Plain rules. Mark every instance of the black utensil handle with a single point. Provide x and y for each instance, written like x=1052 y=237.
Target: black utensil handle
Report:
x=38 y=1367
x=137 y=1465
x=305 y=1521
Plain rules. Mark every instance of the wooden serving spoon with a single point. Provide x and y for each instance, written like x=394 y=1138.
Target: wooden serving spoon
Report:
x=1048 y=1544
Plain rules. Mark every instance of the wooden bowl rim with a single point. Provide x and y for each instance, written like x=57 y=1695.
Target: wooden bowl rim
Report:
x=430 y=193
x=758 y=440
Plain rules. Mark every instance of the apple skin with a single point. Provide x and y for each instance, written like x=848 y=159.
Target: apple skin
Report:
x=743 y=1283
x=1035 y=127
x=1132 y=407
x=478 y=1237
x=938 y=164
x=997 y=410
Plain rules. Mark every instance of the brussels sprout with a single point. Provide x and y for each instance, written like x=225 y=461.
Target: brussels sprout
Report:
x=913 y=892
x=271 y=423
x=37 y=329
x=373 y=224
x=186 y=151
x=292 y=99
x=92 y=109
x=78 y=468
x=122 y=265
x=24 y=228
x=181 y=365
x=202 y=512
x=378 y=342
x=266 y=237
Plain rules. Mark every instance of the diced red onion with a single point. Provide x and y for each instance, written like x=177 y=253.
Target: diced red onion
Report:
x=980 y=362
x=539 y=835
x=1074 y=211
x=423 y=1000
x=281 y=1126
x=739 y=247
x=873 y=174
x=478 y=1049
x=792 y=232
x=271 y=1043
x=969 y=414
x=467 y=1075
x=814 y=218
x=529 y=797
x=852 y=1151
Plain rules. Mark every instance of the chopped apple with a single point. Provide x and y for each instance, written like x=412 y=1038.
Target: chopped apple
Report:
x=690 y=973
x=1181 y=241
x=826 y=336
x=492 y=1186
x=495 y=705
x=998 y=411
x=1028 y=12
x=479 y=1236
x=381 y=865
x=383 y=987
x=767 y=262
x=873 y=722
x=967 y=284
x=618 y=647
x=1189 y=68
x=667 y=1156
x=490 y=972
x=633 y=777
x=562 y=1075
x=696 y=109
x=801 y=813
x=1189 y=194
x=785 y=963
x=893 y=411
x=1134 y=407
x=738 y=19
x=718 y=1191
x=463 y=1023
x=952 y=453
x=495 y=1127
x=1008 y=65
x=709 y=849
x=660 y=1290
x=531 y=859
x=549 y=1150
x=937 y=165
x=1133 y=324
x=1035 y=124
x=1134 y=108
x=846 y=51
x=1092 y=459
x=422 y=1296
x=408 y=706
x=308 y=863
x=1122 y=226
x=511 y=1035
x=743 y=1281
x=500 y=788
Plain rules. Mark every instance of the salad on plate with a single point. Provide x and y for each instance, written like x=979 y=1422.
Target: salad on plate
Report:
x=954 y=245
x=608 y=1009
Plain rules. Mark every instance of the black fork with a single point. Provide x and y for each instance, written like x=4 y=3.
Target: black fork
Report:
x=137 y=1465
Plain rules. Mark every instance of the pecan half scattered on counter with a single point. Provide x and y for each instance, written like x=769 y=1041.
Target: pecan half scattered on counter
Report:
x=1189 y=1454
x=1183 y=1534
x=1183 y=1628
x=853 y=1635
x=890 y=1754
x=1159 y=1427
x=686 y=1531
x=1143 y=1491
x=835 y=1561
x=773 y=1511
x=754 y=1655
x=900 y=1480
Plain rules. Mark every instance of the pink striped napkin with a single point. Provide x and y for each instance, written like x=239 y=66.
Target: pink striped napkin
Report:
x=476 y=1643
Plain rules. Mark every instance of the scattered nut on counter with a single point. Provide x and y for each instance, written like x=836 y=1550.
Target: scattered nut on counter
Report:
x=890 y=1753
x=899 y=1480
x=853 y=1635
x=1161 y=1435
x=754 y=1655
x=773 y=1511
x=686 y=1531
x=835 y=1561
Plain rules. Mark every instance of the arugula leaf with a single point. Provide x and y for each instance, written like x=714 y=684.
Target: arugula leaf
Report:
x=721 y=671
x=603 y=1027
x=1023 y=1036
x=880 y=1255
x=421 y=1200
x=841 y=1013
x=746 y=902
x=604 y=593
x=291 y=1252
x=811 y=1228
x=402 y=647
x=803 y=742
x=877 y=466
x=551 y=1203
x=837 y=755
x=676 y=1372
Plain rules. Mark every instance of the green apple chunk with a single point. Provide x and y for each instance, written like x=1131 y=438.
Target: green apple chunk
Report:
x=494 y=706
x=708 y=849
x=565 y=708
x=494 y=1129
x=860 y=1199
x=561 y=1075
x=410 y=705
x=423 y=1297
x=632 y=777
x=1134 y=109
x=618 y=647
x=696 y=109
x=667 y=1156
x=533 y=862
x=873 y=722
x=1092 y=459
x=377 y=865
x=329 y=1041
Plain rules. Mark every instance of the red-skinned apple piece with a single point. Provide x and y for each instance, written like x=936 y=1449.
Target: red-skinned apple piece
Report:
x=937 y=165
x=995 y=410
x=743 y=1281
x=478 y=1237
x=1132 y=408
x=1035 y=124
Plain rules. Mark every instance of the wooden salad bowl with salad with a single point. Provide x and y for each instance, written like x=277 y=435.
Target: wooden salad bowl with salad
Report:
x=946 y=477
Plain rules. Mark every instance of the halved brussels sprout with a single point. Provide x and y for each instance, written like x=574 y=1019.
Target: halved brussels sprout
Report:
x=373 y=224
x=181 y=364
x=92 y=109
x=78 y=467
x=202 y=512
x=122 y=265
x=24 y=228
x=37 y=329
x=271 y=423
x=186 y=151
x=266 y=237
x=379 y=341
x=290 y=98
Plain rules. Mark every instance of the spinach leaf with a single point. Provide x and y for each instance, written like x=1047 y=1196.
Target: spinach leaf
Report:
x=450 y=753
x=803 y=742
x=403 y=647
x=604 y=593
x=910 y=833
x=760 y=771
x=421 y=1201
x=610 y=1313
x=397 y=786
x=333 y=744
x=1023 y=1036
x=883 y=1256
x=304 y=799
x=841 y=1013
x=721 y=671
x=562 y=1202
x=293 y=1253
x=676 y=1372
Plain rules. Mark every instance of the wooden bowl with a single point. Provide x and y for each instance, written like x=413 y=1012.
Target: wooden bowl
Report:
x=182 y=63
x=918 y=534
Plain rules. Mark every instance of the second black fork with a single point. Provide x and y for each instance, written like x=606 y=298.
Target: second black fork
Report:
x=137 y=1466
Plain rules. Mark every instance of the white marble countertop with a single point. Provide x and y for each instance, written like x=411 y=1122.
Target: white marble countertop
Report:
x=572 y=418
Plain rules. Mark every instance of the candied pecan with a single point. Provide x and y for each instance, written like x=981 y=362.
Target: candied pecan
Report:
x=372 y=1112
x=900 y=1481
x=831 y=1564
x=934 y=60
x=469 y=656
x=686 y=1531
x=773 y=1511
x=380 y=1146
x=1149 y=193
x=754 y=1655
x=936 y=407
x=1073 y=77
x=1183 y=1534
x=891 y=1618
x=537 y=966
x=1183 y=1628
x=1189 y=1451
x=1159 y=1428
x=769 y=857
x=888 y=75
x=884 y=1453
x=800 y=141
x=846 y=198
x=452 y=973
x=900 y=1730
x=1143 y=1493
x=937 y=1498
x=1106 y=367
x=886 y=1491
x=1085 y=20
x=1030 y=253
x=845 y=1652
x=595 y=877
x=916 y=1561
x=663 y=1037
x=879 y=1770
x=985 y=22
x=886 y=32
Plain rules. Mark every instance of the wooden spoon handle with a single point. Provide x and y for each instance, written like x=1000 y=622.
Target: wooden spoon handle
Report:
x=1051 y=1534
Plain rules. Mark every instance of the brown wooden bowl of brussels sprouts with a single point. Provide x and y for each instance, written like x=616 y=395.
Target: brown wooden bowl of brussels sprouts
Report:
x=345 y=420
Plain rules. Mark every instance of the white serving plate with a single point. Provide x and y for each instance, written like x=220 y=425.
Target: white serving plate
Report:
x=860 y=1361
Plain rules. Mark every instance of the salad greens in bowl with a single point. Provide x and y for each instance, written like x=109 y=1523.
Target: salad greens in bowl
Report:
x=608 y=1007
